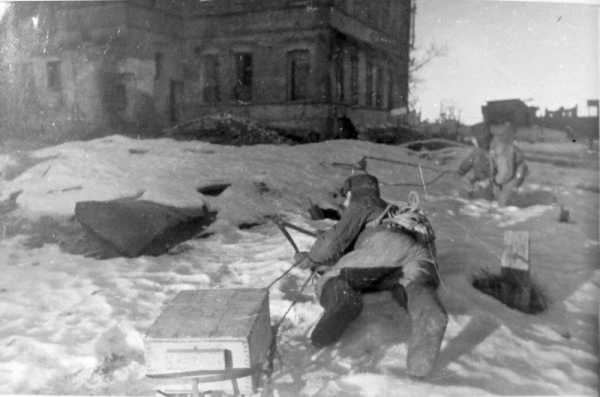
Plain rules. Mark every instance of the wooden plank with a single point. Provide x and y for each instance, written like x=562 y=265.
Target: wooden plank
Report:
x=210 y=313
x=516 y=250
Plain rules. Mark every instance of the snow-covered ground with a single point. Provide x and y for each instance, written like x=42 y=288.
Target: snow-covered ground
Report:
x=75 y=324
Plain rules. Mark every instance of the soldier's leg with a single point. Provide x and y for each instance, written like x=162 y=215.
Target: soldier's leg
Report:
x=399 y=295
x=428 y=319
x=505 y=193
x=342 y=304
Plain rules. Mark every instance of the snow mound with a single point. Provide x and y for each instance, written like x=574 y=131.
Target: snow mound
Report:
x=226 y=129
x=73 y=324
x=118 y=347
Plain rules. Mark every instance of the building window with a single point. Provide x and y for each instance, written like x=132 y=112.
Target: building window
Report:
x=211 y=92
x=379 y=87
x=158 y=65
x=339 y=76
x=242 y=91
x=390 y=96
x=115 y=91
x=53 y=70
x=369 y=85
x=354 y=78
x=299 y=73
x=120 y=96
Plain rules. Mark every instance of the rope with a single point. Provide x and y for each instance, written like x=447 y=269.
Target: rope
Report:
x=284 y=274
x=426 y=183
x=308 y=279
x=273 y=351
x=402 y=163
x=361 y=164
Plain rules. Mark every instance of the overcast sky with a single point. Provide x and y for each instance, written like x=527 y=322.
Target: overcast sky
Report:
x=498 y=49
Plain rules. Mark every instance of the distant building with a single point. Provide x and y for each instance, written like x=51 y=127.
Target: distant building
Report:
x=144 y=64
x=514 y=110
x=567 y=119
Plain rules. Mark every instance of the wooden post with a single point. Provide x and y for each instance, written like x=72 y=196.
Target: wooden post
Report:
x=516 y=250
x=423 y=181
x=195 y=389
x=516 y=266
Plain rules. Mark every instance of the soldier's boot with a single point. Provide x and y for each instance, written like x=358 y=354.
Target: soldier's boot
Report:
x=429 y=320
x=342 y=304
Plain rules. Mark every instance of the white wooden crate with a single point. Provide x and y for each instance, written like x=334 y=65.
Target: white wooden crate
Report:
x=201 y=333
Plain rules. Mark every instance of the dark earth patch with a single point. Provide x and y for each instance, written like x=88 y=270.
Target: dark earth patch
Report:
x=249 y=225
x=213 y=190
x=526 y=297
x=318 y=213
x=431 y=145
x=138 y=151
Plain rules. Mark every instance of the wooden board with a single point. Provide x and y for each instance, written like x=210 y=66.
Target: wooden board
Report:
x=516 y=250
x=210 y=313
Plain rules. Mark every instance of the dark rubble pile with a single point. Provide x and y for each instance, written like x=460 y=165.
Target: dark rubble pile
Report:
x=227 y=129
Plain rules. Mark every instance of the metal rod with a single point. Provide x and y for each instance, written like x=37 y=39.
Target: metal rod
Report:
x=285 y=233
x=299 y=229
x=402 y=163
x=423 y=180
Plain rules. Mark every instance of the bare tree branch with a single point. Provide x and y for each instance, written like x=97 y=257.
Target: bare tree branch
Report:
x=417 y=63
x=432 y=52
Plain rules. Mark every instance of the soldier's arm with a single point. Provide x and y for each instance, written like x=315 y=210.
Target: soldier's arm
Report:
x=521 y=169
x=466 y=164
x=334 y=243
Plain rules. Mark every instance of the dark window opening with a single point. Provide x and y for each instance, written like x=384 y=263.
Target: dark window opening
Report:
x=379 y=87
x=413 y=13
x=53 y=69
x=158 y=65
x=390 y=96
x=339 y=75
x=115 y=91
x=175 y=101
x=211 y=92
x=242 y=90
x=354 y=78
x=369 y=85
x=120 y=97
x=299 y=72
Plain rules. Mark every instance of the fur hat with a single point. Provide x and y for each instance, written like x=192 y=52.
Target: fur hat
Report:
x=362 y=184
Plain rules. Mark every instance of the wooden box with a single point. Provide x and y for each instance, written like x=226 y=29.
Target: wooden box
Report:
x=208 y=331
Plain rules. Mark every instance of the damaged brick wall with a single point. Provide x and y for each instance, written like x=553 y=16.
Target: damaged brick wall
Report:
x=144 y=65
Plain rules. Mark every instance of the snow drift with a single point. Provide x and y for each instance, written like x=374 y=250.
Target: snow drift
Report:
x=74 y=324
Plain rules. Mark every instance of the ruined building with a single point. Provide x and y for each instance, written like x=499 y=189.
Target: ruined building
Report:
x=514 y=110
x=578 y=127
x=147 y=64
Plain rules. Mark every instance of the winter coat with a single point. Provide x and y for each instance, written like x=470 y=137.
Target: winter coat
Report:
x=355 y=243
x=508 y=164
x=478 y=162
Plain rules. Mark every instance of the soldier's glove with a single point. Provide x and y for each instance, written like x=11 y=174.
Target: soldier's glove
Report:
x=303 y=260
x=320 y=232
